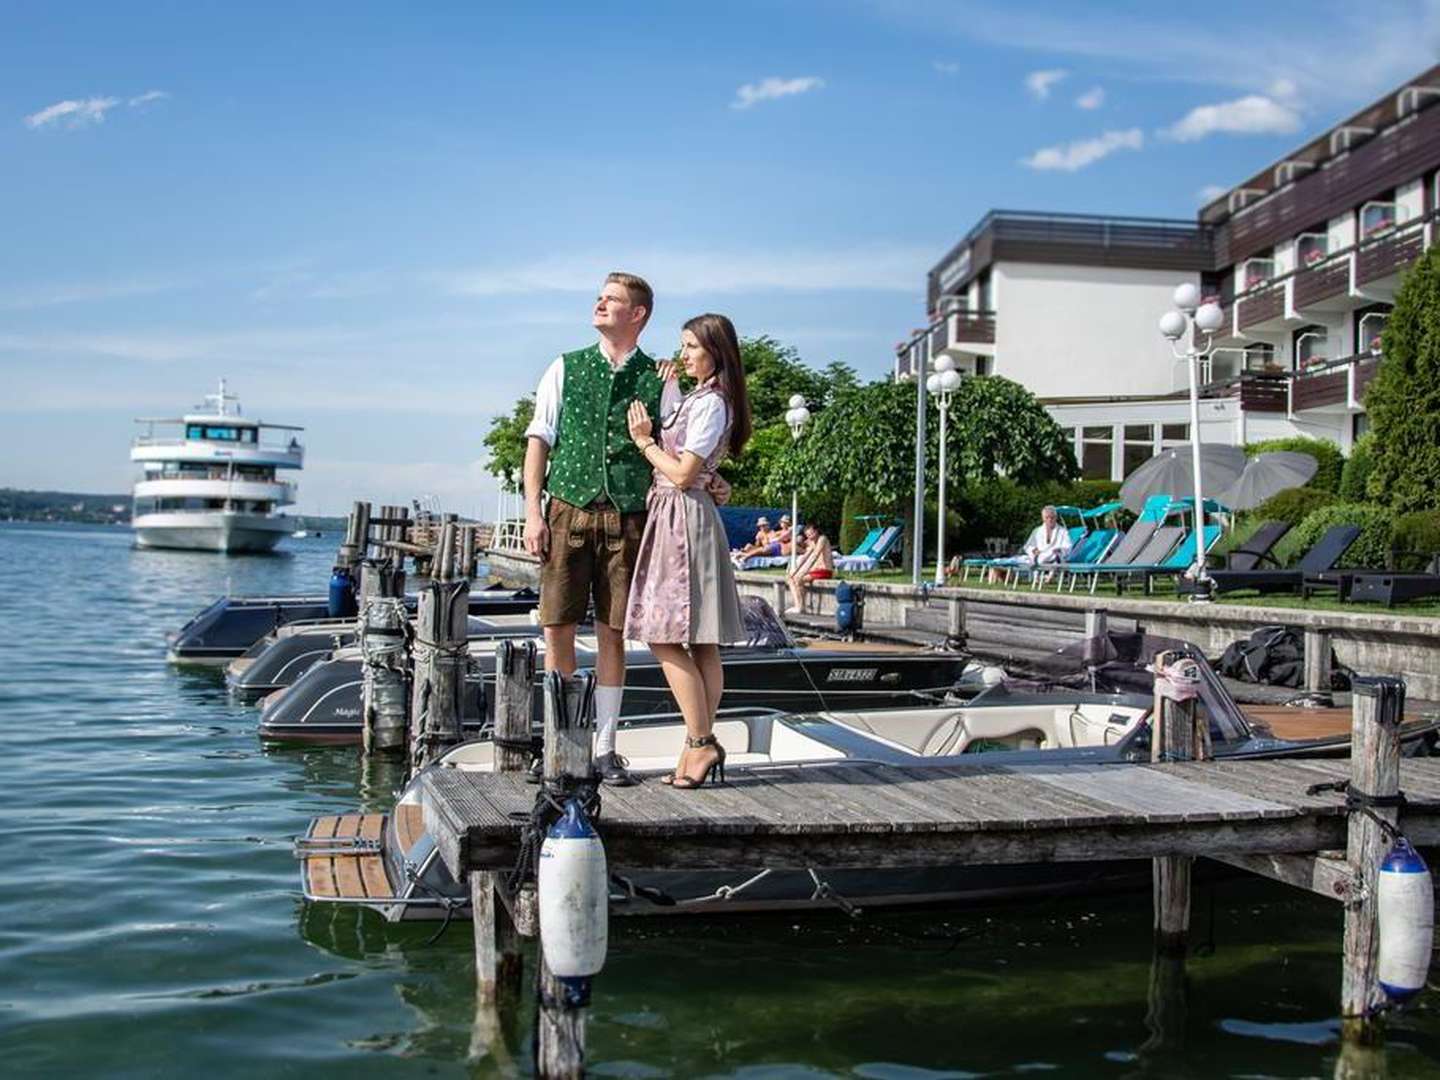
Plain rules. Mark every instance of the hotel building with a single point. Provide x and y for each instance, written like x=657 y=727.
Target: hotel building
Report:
x=1304 y=258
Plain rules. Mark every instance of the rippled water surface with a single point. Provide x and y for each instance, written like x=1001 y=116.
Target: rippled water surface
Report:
x=150 y=922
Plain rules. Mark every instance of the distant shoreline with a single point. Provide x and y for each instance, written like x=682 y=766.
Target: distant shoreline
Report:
x=84 y=508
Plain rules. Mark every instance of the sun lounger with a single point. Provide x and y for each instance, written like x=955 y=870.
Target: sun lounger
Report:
x=1249 y=555
x=1326 y=552
x=1124 y=551
x=1390 y=587
x=884 y=543
x=1092 y=547
x=1173 y=565
x=1157 y=548
x=761 y=562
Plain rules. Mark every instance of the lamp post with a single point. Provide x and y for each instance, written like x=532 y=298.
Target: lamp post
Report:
x=942 y=383
x=1176 y=326
x=797 y=416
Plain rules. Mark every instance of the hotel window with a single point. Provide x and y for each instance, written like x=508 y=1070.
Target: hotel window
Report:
x=1379 y=216
x=983 y=302
x=1369 y=326
x=1139 y=447
x=1260 y=358
x=1174 y=435
x=1256 y=272
x=1311 y=249
x=1312 y=346
x=1095 y=447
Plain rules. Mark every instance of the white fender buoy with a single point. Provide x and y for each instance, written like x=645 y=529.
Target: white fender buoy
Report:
x=992 y=676
x=1405 y=911
x=574 y=895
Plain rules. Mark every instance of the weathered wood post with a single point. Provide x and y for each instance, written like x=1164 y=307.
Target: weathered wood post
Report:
x=955 y=619
x=559 y=1021
x=384 y=626
x=1179 y=732
x=441 y=653
x=1317 y=666
x=1097 y=623
x=782 y=591
x=1378 y=707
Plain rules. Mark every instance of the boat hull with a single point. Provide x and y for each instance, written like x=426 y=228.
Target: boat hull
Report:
x=225 y=533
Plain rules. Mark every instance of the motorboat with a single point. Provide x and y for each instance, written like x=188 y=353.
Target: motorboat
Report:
x=216 y=486
x=770 y=669
x=1095 y=714
x=230 y=625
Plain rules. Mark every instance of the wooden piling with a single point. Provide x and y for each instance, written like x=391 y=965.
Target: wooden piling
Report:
x=440 y=650
x=515 y=666
x=1378 y=706
x=1317 y=665
x=560 y=1024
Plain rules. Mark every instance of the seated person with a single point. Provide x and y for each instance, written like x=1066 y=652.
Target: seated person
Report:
x=1049 y=543
x=780 y=539
x=816 y=564
x=763 y=534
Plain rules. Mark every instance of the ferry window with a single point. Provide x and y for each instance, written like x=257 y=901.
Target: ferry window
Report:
x=226 y=434
x=247 y=435
x=194 y=431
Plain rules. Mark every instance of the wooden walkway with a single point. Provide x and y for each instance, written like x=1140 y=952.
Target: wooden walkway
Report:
x=881 y=815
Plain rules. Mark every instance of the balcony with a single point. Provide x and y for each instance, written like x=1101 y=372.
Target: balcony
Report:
x=1324 y=283
x=1333 y=383
x=1262 y=308
x=1380 y=261
x=963 y=331
x=1258 y=392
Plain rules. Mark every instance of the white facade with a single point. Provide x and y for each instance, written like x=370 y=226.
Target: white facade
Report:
x=1084 y=330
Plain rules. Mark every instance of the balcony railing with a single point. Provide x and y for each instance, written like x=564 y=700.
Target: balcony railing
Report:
x=1333 y=382
x=1322 y=280
x=959 y=330
x=1260 y=305
x=1257 y=391
x=1390 y=253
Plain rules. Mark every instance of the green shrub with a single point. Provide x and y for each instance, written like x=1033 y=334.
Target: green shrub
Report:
x=1417 y=531
x=1292 y=506
x=1001 y=507
x=1356 y=473
x=851 y=530
x=1326 y=454
x=1371 y=548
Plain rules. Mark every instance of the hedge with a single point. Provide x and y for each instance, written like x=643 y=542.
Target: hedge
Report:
x=1371 y=548
x=1417 y=531
x=1356 y=473
x=851 y=530
x=1292 y=506
x=1326 y=454
x=1001 y=507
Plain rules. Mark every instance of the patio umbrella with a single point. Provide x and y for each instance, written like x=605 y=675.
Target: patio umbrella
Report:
x=1169 y=473
x=1267 y=475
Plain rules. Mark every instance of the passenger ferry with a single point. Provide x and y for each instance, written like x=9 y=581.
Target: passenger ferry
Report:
x=215 y=487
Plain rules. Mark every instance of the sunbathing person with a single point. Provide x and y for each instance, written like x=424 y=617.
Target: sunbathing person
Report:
x=1049 y=543
x=816 y=564
x=763 y=534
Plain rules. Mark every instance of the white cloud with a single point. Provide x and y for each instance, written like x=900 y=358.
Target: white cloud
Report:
x=1254 y=114
x=147 y=97
x=945 y=67
x=1284 y=89
x=1039 y=83
x=83 y=293
x=1073 y=156
x=1091 y=99
x=888 y=269
x=772 y=88
x=72 y=113
x=1210 y=192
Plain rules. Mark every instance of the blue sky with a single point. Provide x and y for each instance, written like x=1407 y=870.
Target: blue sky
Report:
x=382 y=221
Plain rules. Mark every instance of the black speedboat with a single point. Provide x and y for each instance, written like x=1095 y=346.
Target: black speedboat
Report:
x=225 y=629
x=769 y=670
x=1095 y=715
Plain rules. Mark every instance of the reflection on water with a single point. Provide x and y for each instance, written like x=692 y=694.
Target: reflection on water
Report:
x=151 y=916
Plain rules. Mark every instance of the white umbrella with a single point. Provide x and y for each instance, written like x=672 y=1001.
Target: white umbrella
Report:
x=1170 y=473
x=1266 y=475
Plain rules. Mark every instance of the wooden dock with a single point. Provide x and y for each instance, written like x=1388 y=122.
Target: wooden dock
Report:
x=885 y=815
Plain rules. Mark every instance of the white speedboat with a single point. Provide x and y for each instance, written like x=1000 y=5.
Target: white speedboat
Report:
x=215 y=486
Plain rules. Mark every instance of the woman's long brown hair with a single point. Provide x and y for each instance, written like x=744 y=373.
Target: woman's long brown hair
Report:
x=717 y=336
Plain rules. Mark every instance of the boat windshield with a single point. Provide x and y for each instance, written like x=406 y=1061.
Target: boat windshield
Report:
x=1116 y=663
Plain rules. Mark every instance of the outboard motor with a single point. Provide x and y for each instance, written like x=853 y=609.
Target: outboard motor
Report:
x=342 y=594
x=849 y=607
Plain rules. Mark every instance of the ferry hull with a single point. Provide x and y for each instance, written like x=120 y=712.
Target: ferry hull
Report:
x=217 y=532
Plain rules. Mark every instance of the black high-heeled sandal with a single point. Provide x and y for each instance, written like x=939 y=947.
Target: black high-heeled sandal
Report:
x=715 y=770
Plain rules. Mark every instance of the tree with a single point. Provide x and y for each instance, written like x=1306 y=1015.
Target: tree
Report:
x=506 y=442
x=773 y=372
x=1403 y=401
x=865 y=441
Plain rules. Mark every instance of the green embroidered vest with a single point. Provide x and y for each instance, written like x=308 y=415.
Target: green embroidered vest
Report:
x=593 y=453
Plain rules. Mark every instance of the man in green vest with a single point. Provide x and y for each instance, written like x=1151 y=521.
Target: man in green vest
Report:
x=579 y=452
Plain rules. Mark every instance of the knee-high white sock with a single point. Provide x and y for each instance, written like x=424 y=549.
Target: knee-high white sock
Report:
x=607 y=717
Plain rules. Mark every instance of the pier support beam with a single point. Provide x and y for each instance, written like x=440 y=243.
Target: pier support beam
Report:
x=1317 y=666
x=441 y=653
x=1379 y=705
x=559 y=1022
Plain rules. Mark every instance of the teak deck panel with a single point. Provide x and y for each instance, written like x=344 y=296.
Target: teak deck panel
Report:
x=886 y=815
x=345 y=876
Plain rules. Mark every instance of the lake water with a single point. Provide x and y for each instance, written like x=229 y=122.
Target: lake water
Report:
x=150 y=922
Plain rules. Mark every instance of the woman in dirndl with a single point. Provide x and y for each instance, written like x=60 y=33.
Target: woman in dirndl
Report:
x=683 y=599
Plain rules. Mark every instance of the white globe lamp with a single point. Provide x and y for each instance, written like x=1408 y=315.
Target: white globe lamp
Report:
x=1209 y=318
x=1172 y=325
x=1187 y=297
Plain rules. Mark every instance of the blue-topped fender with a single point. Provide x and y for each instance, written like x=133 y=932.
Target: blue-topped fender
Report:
x=1405 y=903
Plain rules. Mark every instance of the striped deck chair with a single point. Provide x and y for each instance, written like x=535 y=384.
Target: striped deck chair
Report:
x=1161 y=543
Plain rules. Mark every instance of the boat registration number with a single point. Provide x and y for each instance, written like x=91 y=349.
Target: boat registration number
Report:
x=854 y=674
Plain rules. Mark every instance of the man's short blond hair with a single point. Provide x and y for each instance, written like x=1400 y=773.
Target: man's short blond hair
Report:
x=641 y=295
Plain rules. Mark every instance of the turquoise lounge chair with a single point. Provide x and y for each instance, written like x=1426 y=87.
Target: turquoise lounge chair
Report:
x=1177 y=561
x=887 y=540
x=1092 y=547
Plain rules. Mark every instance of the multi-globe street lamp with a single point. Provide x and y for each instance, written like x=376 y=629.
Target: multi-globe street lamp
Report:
x=796 y=417
x=942 y=383
x=1191 y=315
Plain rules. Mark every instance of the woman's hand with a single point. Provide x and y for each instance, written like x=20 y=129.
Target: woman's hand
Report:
x=667 y=370
x=639 y=421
